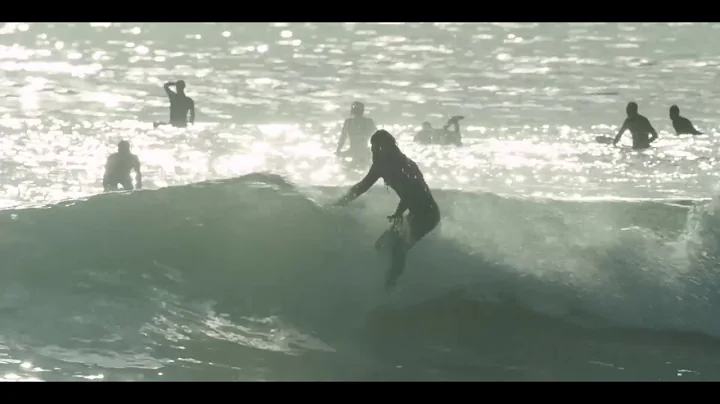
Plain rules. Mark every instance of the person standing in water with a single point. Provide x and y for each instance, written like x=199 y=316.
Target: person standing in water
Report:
x=404 y=177
x=639 y=126
x=357 y=129
x=118 y=168
x=682 y=125
x=180 y=106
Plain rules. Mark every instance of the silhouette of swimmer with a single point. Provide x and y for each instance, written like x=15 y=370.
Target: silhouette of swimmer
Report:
x=430 y=135
x=357 y=129
x=402 y=175
x=180 y=106
x=118 y=167
x=682 y=125
x=639 y=127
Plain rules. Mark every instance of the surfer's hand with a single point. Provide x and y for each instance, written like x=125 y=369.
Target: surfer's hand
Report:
x=395 y=217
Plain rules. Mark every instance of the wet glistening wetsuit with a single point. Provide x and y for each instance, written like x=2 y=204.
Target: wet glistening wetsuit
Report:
x=404 y=177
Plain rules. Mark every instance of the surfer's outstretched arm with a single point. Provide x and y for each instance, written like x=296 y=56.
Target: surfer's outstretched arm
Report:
x=361 y=187
x=622 y=130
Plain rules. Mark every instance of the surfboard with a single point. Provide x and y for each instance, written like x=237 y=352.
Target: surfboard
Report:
x=604 y=139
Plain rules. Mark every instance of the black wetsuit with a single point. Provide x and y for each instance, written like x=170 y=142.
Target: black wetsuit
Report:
x=683 y=126
x=404 y=177
x=640 y=128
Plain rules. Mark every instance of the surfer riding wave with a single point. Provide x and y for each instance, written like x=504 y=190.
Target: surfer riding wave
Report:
x=402 y=175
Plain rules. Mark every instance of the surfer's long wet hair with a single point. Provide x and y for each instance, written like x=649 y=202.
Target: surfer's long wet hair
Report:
x=385 y=150
x=384 y=147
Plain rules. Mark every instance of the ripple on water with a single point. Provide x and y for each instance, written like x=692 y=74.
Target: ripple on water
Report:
x=533 y=96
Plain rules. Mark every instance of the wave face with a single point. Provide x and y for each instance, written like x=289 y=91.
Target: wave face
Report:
x=251 y=279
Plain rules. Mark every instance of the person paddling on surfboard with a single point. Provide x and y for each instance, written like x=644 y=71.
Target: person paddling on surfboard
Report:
x=356 y=129
x=682 y=125
x=118 y=168
x=639 y=127
x=402 y=175
x=444 y=136
x=180 y=106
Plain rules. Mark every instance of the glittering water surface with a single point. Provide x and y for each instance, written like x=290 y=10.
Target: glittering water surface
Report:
x=272 y=97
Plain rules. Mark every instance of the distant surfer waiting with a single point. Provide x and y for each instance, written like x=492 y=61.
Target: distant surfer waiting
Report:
x=682 y=125
x=357 y=129
x=180 y=106
x=118 y=168
x=639 y=127
x=444 y=136
x=404 y=177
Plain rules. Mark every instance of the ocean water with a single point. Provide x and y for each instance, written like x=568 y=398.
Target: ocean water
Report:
x=557 y=258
